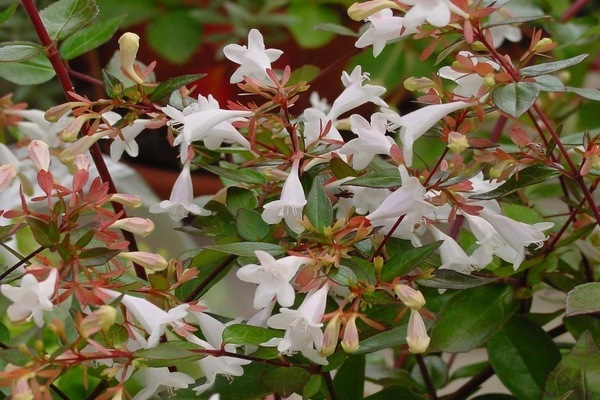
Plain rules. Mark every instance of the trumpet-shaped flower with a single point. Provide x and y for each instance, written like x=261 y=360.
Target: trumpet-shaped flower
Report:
x=38 y=128
x=273 y=278
x=384 y=26
x=254 y=59
x=289 y=206
x=355 y=94
x=413 y=125
x=502 y=32
x=435 y=12
x=454 y=257
x=469 y=83
x=315 y=122
x=302 y=327
x=32 y=298
x=181 y=201
x=152 y=318
x=409 y=197
x=126 y=140
x=371 y=140
x=156 y=377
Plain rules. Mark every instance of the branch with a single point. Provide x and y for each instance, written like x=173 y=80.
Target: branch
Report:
x=196 y=292
x=21 y=262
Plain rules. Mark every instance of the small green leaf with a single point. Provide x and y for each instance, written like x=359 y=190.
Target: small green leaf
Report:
x=158 y=282
x=175 y=35
x=172 y=84
x=384 y=340
x=402 y=263
x=7 y=231
x=584 y=299
x=4 y=334
x=45 y=233
x=169 y=354
x=248 y=334
x=6 y=14
x=546 y=68
x=523 y=355
x=386 y=178
x=285 y=380
x=305 y=73
x=89 y=38
x=471 y=317
x=239 y=198
x=312 y=387
x=343 y=276
x=19 y=51
x=307 y=15
x=243 y=175
x=247 y=249
x=349 y=380
x=449 y=279
x=341 y=169
x=515 y=98
x=97 y=256
x=250 y=225
x=65 y=17
x=549 y=83
x=588 y=93
x=112 y=85
x=33 y=71
x=526 y=177
x=336 y=28
x=85 y=239
x=318 y=209
x=577 y=374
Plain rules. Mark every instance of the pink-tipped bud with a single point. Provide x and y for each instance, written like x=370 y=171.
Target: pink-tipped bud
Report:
x=139 y=226
x=7 y=176
x=82 y=161
x=151 y=261
x=79 y=147
x=57 y=112
x=331 y=335
x=350 y=339
x=416 y=336
x=360 y=11
x=129 y=44
x=39 y=154
x=99 y=320
x=411 y=298
x=130 y=200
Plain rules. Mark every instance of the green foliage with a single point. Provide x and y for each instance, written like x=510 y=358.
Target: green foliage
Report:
x=516 y=98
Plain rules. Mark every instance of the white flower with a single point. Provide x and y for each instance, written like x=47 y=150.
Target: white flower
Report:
x=291 y=203
x=502 y=32
x=156 y=377
x=488 y=236
x=435 y=12
x=254 y=59
x=517 y=235
x=384 y=27
x=302 y=327
x=415 y=124
x=371 y=140
x=126 y=140
x=37 y=127
x=152 y=318
x=273 y=278
x=409 y=197
x=315 y=122
x=181 y=201
x=355 y=94
x=454 y=257
x=32 y=298
x=212 y=366
x=469 y=83
x=7 y=176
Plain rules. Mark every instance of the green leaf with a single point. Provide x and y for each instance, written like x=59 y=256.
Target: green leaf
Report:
x=513 y=21
x=343 y=276
x=402 y=263
x=33 y=71
x=97 y=256
x=248 y=334
x=45 y=233
x=212 y=266
x=243 y=175
x=437 y=369
x=247 y=249
x=8 y=13
x=137 y=11
x=384 y=340
x=588 y=93
x=312 y=387
x=523 y=355
x=113 y=86
x=307 y=15
x=578 y=374
x=341 y=169
x=285 y=380
x=349 y=380
x=19 y=51
x=526 y=177
x=14 y=356
x=386 y=178
x=584 y=299
x=7 y=231
x=471 y=317
x=336 y=28
x=515 y=98
x=549 y=83
x=4 y=334
x=158 y=282
x=239 y=198
x=245 y=387
x=449 y=279
x=172 y=84
x=469 y=370
x=395 y=392
x=318 y=209
x=168 y=354
x=89 y=38
x=65 y=17
x=305 y=73
x=546 y=68
x=250 y=225
x=175 y=35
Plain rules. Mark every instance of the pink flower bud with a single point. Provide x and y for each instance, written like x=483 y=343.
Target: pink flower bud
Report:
x=350 y=339
x=130 y=200
x=39 y=154
x=136 y=225
x=129 y=44
x=151 y=261
x=411 y=298
x=7 y=175
x=331 y=336
x=416 y=336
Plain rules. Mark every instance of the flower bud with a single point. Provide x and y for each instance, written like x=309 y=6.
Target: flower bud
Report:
x=7 y=175
x=151 y=261
x=544 y=44
x=457 y=142
x=136 y=225
x=129 y=44
x=82 y=161
x=57 y=112
x=413 y=84
x=360 y=11
x=350 y=339
x=331 y=335
x=71 y=132
x=416 y=336
x=99 y=320
x=39 y=154
x=130 y=200
x=478 y=46
x=411 y=298
x=79 y=147
x=489 y=80
x=23 y=390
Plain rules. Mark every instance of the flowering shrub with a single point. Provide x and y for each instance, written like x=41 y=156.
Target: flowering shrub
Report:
x=369 y=263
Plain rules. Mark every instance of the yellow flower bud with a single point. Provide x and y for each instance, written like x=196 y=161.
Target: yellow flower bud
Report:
x=129 y=44
x=360 y=11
